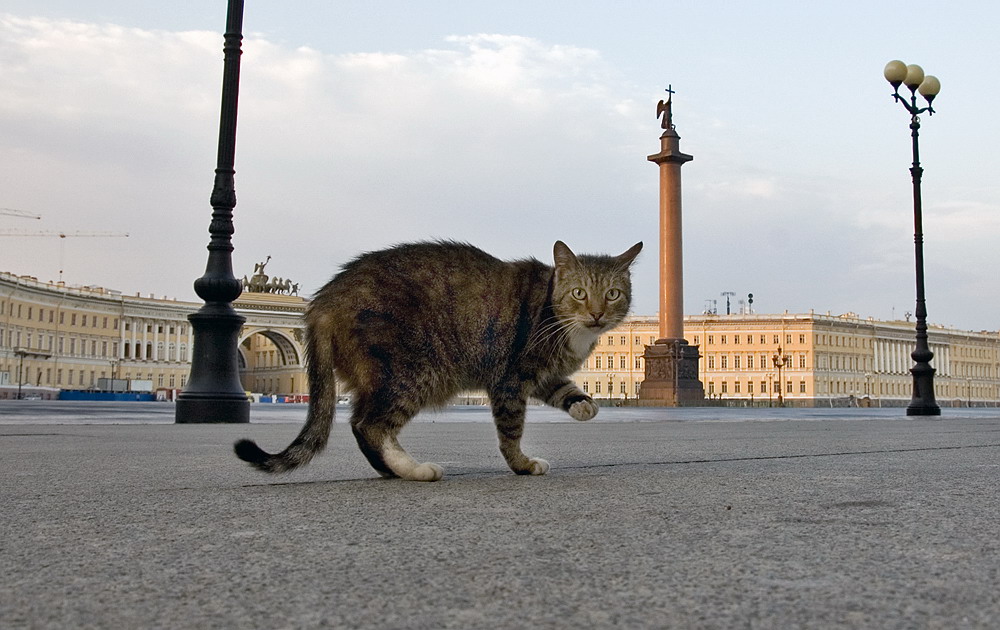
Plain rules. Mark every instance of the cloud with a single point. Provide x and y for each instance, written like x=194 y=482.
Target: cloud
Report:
x=503 y=140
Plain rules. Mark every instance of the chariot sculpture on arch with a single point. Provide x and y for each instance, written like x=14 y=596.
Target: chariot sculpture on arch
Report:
x=260 y=282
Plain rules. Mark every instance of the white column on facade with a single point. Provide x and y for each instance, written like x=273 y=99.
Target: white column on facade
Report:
x=145 y=338
x=177 y=342
x=134 y=338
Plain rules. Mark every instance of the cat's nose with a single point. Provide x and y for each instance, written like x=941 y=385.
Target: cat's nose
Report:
x=597 y=317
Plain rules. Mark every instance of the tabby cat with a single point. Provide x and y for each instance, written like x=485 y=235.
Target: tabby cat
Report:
x=412 y=326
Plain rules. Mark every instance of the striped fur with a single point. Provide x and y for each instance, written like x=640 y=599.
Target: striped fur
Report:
x=412 y=326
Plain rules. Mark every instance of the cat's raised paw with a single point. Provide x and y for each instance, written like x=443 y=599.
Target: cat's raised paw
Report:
x=428 y=471
x=583 y=409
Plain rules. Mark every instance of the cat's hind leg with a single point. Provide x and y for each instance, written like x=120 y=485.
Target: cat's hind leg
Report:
x=508 y=415
x=376 y=433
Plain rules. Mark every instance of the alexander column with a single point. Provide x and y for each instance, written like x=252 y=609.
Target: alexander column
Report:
x=671 y=377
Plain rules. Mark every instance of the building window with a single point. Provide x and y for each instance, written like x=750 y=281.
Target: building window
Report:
x=749 y=361
x=802 y=338
x=711 y=388
x=597 y=387
x=763 y=387
x=776 y=339
x=736 y=339
x=638 y=363
x=623 y=340
x=736 y=362
x=802 y=387
x=788 y=387
x=749 y=387
x=711 y=361
x=725 y=362
x=623 y=364
x=736 y=387
x=725 y=389
x=788 y=339
x=623 y=390
x=711 y=339
x=638 y=341
x=611 y=340
x=802 y=361
x=72 y=320
x=597 y=361
x=722 y=340
x=696 y=340
x=586 y=387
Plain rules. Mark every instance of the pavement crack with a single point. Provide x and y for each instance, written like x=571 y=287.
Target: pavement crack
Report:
x=779 y=457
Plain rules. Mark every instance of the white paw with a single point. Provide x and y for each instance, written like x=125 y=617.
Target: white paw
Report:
x=583 y=409
x=427 y=471
x=538 y=466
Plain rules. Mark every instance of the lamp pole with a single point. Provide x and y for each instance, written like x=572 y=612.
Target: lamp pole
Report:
x=214 y=393
x=912 y=76
x=780 y=361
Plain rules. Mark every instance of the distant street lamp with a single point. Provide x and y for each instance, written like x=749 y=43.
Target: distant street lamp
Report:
x=780 y=361
x=897 y=73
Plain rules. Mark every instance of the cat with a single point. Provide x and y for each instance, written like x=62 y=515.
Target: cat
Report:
x=410 y=327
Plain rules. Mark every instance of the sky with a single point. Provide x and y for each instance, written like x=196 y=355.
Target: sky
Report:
x=510 y=126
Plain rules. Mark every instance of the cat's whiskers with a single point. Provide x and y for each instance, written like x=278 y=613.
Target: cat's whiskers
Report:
x=552 y=328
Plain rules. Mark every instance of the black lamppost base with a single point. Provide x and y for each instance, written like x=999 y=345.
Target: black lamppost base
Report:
x=923 y=402
x=212 y=410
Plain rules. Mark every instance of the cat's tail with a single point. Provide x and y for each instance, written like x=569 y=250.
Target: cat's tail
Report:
x=314 y=435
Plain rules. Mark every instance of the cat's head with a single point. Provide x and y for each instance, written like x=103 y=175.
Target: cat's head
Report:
x=592 y=293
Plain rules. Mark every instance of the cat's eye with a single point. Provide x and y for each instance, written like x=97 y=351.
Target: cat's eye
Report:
x=613 y=294
x=579 y=294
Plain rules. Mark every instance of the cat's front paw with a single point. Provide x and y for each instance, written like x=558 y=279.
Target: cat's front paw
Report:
x=538 y=466
x=534 y=466
x=583 y=409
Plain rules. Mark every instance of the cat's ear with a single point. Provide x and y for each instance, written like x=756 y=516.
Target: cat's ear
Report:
x=628 y=257
x=563 y=255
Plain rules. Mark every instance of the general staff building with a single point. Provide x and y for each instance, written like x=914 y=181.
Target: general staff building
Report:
x=55 y=337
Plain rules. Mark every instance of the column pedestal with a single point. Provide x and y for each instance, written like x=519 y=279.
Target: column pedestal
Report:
x=671 y=378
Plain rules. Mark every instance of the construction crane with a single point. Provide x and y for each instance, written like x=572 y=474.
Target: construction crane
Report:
x=18 y=213
x=62 y=236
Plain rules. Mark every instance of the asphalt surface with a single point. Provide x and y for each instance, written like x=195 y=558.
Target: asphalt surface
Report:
x=648 y=519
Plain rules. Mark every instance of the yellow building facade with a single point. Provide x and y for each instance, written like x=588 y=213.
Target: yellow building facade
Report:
x=825 y=360
x=55 y=337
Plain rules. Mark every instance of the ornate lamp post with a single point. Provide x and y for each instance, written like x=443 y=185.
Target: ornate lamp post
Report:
x=897 y=73
x=214 y=392
x=780 y=361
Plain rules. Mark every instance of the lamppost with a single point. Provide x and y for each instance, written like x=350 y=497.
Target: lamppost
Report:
x=214 y=392
x=912 y=76
x=611 y=388
x=780 y=361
